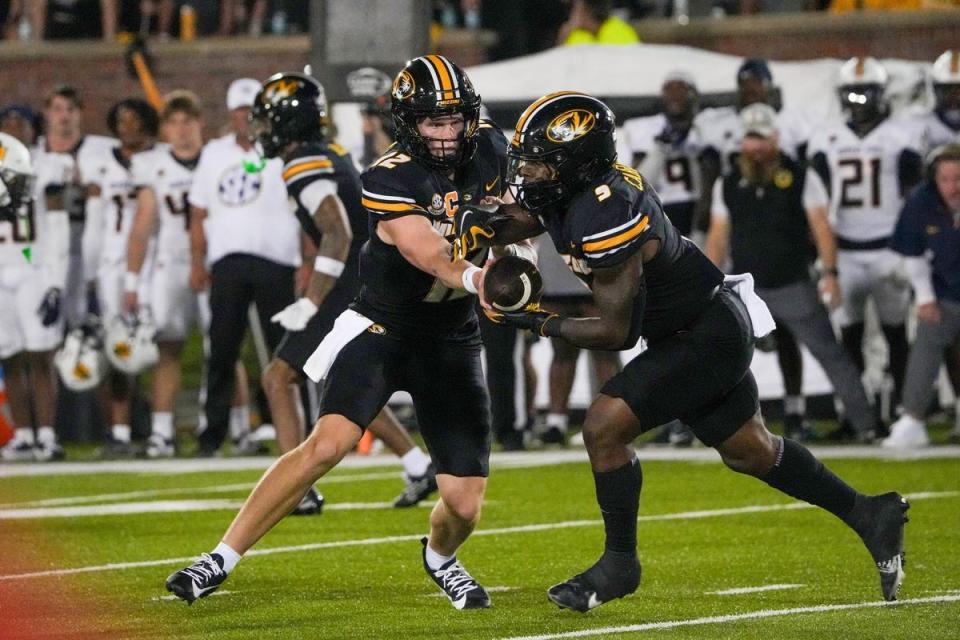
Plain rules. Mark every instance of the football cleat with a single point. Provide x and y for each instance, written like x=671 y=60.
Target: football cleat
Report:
x=884 y=540
x=158 y=447
x=310 y=503
x=48 y=452
x=199 y=579
x=246 y=446
x=615 y=575
x=459 y=586
x=118 y=450
x=417 y=489
x=18 y=451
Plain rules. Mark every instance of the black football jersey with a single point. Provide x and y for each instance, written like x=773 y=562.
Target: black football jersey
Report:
x=609 y=222
x=315 y=161
x=396 y=294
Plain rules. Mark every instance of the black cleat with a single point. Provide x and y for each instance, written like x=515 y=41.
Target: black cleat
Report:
x=615 y=575
x=116 y=449
x=463 y=591
x=417 y=489
x=199 y=579
x=884 y=540
x=311 y=503
x=552 y=434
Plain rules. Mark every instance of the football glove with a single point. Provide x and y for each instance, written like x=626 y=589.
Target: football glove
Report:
x=531 y=317
x=472 y=230
x=296 y=316
x=49 y=309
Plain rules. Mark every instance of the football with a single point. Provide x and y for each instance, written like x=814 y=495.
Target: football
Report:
x=512 y=283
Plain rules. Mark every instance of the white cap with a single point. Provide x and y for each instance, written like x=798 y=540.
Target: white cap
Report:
x=758 y=119
x=242 y=92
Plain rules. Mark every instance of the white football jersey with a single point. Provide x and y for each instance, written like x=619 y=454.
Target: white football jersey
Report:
x=111 y=173
x=864 y=182
x=671 y=169
x=936 y=133
x=170 y=180
x=722 y=131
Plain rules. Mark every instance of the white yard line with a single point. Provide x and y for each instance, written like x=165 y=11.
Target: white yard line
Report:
x=760 y=589
x=501 y=460
x=487 y=589
x=753 y=615
x=165 y=506
x=546 y=526
x=220 y=488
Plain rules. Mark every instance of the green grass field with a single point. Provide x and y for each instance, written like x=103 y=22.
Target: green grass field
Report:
x=362 y=578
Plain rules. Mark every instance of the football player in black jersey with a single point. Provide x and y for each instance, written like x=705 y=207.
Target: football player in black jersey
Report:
x=648 y=280
x=412 y=327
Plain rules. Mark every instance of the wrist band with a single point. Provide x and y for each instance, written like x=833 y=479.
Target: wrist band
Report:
x=328 y=266
x=467 y=279
x=130 y=281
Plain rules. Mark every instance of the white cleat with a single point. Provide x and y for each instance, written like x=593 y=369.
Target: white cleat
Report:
x=906 y=433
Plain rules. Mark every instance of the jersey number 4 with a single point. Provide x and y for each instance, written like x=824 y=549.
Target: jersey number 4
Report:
x=181 y=209
x=852 y=175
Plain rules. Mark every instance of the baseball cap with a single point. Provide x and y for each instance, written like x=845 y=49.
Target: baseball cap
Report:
x=758 y=119
x=242 y=93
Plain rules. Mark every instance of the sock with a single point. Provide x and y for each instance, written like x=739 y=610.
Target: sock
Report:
x=795 y=405
x=415 y=462
x=120 y=432
x=800 y=475
x=559 y=420
x=618 y=494
x=435 y=560
x=230 y=557
x=24 y=434
x=46 y=436
x=239 y=422
x=162 y=424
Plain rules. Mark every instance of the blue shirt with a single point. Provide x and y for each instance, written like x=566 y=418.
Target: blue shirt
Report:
x=925 y=223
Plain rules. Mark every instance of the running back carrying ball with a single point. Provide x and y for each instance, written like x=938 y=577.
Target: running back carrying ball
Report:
x=512 y=283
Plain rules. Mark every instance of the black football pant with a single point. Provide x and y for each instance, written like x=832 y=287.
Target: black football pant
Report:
x=237 y=280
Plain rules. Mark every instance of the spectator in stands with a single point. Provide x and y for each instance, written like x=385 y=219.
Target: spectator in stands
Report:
x=237 y=14
x=929 y=222
x=21 y=122
x=593 y=22
x=76 y=19
x=765 y=209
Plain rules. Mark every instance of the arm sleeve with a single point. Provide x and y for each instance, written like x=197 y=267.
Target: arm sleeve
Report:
x=814 y=191
x=718 y=206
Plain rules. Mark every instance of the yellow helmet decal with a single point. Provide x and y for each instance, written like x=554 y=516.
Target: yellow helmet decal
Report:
x=570 y=125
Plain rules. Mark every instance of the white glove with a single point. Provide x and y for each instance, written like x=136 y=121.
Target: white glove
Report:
x=296 y=316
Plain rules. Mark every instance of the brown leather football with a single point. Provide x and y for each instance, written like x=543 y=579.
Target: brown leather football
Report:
x=512 y=283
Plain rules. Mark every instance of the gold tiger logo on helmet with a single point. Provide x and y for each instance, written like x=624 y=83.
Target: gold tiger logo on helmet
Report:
x=279 y=89
x=570 y=125
x=403 y=85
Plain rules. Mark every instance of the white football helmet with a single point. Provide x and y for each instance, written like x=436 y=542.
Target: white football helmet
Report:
x=80 y=360
x=862 y=87
x=16 y=176
x=946 y=69
x=131 y=345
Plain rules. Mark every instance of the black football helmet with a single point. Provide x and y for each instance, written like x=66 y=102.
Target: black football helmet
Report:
x=432 y=86
x=291 y=107
x=573 y=134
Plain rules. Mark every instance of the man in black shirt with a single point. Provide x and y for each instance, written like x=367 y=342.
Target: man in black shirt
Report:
x=648 y=280
x=766 y=209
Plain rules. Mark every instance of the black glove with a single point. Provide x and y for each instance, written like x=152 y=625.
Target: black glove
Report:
x=471 y=228
x=49 y=309
x=531 y=317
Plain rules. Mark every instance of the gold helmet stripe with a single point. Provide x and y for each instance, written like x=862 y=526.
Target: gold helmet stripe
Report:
x=954 y=62
x=443 y=76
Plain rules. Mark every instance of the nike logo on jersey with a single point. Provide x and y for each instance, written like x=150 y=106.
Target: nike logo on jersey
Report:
x=490 y=185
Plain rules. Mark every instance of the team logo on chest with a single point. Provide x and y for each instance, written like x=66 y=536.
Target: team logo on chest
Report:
x=436 y=204
x=237 y=187
x=783 y=179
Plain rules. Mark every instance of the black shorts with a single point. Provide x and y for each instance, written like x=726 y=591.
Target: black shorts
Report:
x=445 y=380
x=296 y=347
x=700 y=376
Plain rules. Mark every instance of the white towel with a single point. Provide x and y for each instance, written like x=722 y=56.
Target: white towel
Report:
x=742 y=285
x=348 y=326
